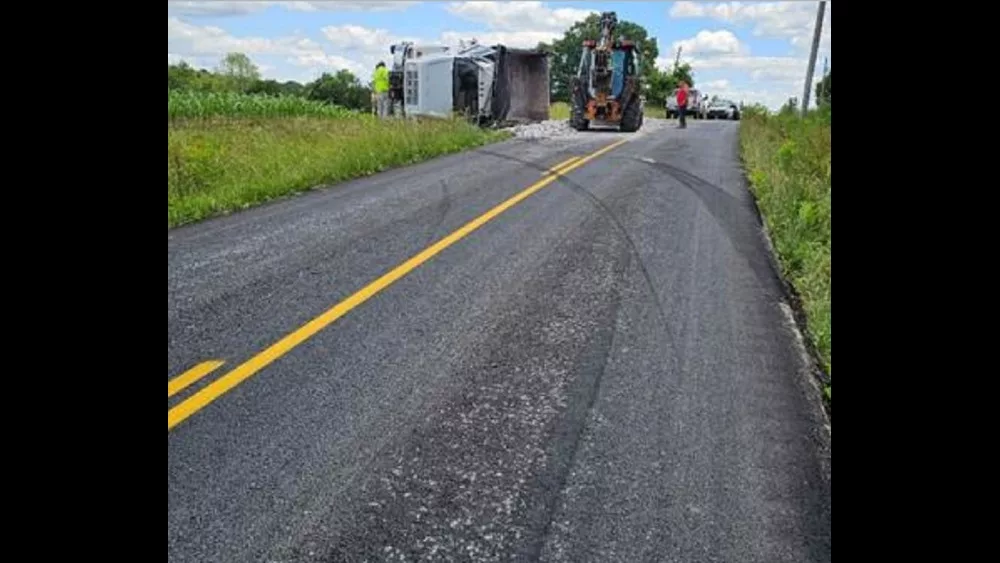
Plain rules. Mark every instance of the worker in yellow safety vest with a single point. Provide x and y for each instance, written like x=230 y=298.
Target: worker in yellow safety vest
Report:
x=380 y=83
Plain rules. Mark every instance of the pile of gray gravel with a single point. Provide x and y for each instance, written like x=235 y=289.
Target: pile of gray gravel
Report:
x=559 y=128
x=544 y=129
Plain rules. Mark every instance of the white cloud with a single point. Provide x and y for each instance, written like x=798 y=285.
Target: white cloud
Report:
x=368 y=46
x=721 y=50
x=686 y=10
x=516 y=39
x=772 y=93
x=335 y=6
x=770 y=80
x=355 y=37
x=220 y=8
x=514 y=16
x=793 y=21
x=365 y=45
x=759 y=68
x=710 y=43
x=771 y=19
x=515 y=24
x=201 y=43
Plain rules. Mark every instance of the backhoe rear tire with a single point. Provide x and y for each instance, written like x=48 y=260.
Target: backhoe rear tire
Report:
x=632 y=118
x=577 y=121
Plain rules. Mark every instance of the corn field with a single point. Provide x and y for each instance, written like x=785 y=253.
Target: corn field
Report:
x=190 y=104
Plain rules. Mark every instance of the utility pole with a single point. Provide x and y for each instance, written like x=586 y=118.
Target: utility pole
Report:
x=677 y=61
x=812 y=56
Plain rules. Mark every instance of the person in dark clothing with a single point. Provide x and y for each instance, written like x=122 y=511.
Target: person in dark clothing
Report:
x=682 y=104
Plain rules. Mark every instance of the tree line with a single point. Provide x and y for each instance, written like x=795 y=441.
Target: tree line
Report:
x=824 y=92
x=824 y=97
x=237 y=73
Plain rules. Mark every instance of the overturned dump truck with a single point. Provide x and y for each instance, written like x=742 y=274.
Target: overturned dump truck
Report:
x=490 y=85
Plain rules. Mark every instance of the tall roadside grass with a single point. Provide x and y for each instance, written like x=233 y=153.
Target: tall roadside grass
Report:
x=186 y=104
x=788 y=162
x=229 y=152
x=559 y=110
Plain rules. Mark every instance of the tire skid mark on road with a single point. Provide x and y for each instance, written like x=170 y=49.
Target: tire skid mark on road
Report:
x=253 y=365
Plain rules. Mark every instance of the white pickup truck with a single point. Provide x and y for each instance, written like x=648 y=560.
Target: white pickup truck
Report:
x=694 y=110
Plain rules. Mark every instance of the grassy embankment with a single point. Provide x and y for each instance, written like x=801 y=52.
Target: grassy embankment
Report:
x=232 y=151
x=788 y=163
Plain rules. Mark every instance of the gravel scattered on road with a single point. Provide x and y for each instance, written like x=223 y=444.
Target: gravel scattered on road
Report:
x=559 y=128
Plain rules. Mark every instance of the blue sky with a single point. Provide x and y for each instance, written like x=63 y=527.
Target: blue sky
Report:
x=750 y=51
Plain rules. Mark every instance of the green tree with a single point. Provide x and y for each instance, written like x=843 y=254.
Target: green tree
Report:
x=269 y=87
x=342 y=89
x=682 y=72
x=180 y=76
x=661 y=83
x=658 y=87
x=565 y=52
x=293 y=88
x=790 y=107
x=184 y=77
x=823 y=90
x=239 y=71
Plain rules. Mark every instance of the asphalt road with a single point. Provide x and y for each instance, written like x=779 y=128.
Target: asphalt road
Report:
x=603 y=372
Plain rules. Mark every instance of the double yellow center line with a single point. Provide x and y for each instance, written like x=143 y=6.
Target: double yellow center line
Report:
x=244 y=371
x=558 y=168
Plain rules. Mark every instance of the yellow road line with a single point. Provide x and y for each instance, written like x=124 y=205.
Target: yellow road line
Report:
x=182 y=381
x=555 y=169
x=244 y=371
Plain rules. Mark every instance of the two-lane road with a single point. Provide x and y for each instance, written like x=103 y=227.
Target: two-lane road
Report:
x=472 y=359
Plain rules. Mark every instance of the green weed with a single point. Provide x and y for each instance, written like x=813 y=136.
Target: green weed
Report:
x=221 y=164
x=789 y=167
